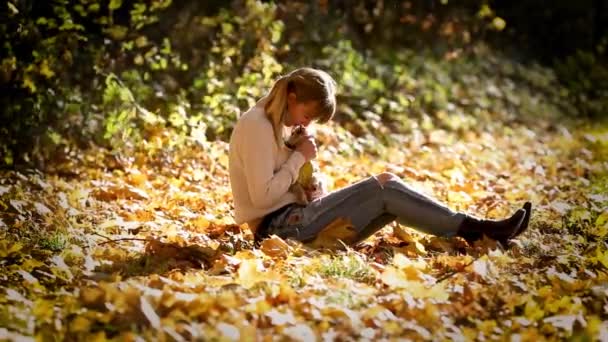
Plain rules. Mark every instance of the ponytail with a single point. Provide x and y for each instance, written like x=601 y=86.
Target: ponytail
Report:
x=276 y=107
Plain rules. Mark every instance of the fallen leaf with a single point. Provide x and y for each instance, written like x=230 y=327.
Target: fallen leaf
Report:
x=480 y=267
x=275 y=247
x=565 y=322
x=149 y=312
x=7 y=248
x=281 y=318
x=251 y=272
x=301 y=332
x=397 y=279
x=42 y=209
x=27 y=276
x=341 y=229
x=80 y=324
x=18 y=205
x=229 y=331
x=401 y=233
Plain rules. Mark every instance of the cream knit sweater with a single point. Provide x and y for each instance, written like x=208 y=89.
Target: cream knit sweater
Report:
x=260 y=171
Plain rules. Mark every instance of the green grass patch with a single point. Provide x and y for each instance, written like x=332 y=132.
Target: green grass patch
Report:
x=352 y=266
x=55 y=241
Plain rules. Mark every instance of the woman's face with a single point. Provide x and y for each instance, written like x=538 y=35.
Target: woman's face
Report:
x=300 y=113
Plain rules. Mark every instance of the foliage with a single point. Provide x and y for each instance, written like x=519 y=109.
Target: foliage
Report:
x=241 y=65
x=195 y=66
x=49 y=71
x=586 y=78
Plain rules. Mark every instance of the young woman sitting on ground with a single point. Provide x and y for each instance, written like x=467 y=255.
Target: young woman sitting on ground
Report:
x=262 y=170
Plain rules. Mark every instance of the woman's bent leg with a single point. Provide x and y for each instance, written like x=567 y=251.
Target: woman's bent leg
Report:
x=375 y=225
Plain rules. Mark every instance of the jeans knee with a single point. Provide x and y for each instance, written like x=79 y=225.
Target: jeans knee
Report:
x=384 y=177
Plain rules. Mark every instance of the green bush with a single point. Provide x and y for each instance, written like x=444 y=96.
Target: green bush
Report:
x=121 y=72
x=586 y=79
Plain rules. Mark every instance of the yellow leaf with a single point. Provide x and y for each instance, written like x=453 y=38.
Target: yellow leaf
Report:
x=532 y=311
x=305 y=175
x=200 y=223
x=459 y=197
x=499 y=23
x=117 y=32
x=60 y=267
x=419 y=248
x=7 y=249
x=602 y=219
x=43 y=310
x=601 y=257
x=285 y=293
x=408 y=265
x=98 y=337
x=395 y=278
x=250 y=273
x=601 y=225
x=80 y=324
x=137 y=177
x=341 y=229
x=440 y=244
x=45 y=70
x=92 y=296
x=138 y=60
x=260 y=306
x=275 y=247
x=402 y=234
x=29 y=83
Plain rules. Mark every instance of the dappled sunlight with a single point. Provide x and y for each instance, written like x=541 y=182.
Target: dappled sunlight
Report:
x=157 y=244
x=116 y=212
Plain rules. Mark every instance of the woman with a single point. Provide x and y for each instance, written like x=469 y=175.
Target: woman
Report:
x=262 y=169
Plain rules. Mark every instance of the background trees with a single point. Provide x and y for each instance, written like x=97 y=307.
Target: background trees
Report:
x=116 y=72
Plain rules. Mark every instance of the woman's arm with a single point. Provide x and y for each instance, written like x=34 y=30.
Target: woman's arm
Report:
x=257 y=148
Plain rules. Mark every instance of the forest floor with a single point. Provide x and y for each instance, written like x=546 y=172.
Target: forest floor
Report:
x=104 y=247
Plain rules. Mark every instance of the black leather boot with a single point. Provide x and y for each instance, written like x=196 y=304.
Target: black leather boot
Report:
x=524 y=225
x=472 y=228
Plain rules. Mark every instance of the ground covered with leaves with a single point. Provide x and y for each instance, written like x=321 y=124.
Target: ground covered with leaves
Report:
x=144 y=246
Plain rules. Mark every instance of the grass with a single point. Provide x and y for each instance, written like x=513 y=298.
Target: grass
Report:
x=55 y=241
x=351 y=265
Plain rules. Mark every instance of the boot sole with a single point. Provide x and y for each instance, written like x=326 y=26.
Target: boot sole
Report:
x=505 y=241
x=524 y=225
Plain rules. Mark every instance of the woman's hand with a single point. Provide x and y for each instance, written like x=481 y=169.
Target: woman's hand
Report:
x=307 y=147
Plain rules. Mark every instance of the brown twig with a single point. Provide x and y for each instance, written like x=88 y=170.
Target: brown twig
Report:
x=116 y=240
x=122 y=239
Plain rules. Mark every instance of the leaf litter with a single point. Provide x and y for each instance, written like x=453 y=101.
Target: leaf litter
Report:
x=152 y=251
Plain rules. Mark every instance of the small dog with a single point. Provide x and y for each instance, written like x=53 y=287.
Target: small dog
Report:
x=308 y=182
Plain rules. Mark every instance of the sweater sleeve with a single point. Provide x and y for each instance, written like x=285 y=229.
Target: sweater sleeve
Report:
x=265 y=186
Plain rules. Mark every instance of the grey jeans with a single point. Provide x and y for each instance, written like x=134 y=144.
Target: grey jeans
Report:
x=369 y=206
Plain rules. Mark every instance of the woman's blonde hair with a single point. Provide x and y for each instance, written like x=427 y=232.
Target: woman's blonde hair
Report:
x=307 y=84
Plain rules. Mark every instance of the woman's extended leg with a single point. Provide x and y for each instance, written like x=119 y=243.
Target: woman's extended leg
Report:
x=377 y=201
x=372 y=203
